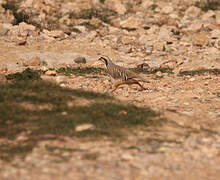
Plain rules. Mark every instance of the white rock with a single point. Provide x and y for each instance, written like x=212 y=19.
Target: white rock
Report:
x=192 y=11
x=167 y=9
x=54 y=34
x=147 y=4
x=164 y=33
x=217 y=17
x=215 y=34
x=51 y=73
x=132 y=22
x=84 y=127
x=127 y=156
x=116 y=6
x=208 y=15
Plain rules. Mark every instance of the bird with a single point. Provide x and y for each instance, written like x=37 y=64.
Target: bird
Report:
x=121 y=74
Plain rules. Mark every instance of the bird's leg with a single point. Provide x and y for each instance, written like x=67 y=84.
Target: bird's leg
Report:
x=142 y=87
x=116 y=86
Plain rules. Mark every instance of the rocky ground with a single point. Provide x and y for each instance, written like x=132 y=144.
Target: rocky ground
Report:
x=177 y=40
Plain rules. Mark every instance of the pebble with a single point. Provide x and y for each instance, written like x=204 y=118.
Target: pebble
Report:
x=80 y=60
x=84 y=127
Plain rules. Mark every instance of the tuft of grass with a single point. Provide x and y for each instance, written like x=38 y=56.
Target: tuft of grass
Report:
x=67 y=71
x=152 y=71
x=37 y=108
x=206 y=5
x=102 y=14
x=200 y=72
x=27 y=74
x=91 y=156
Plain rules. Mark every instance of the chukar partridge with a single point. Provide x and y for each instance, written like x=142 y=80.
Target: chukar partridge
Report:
x=121 y=74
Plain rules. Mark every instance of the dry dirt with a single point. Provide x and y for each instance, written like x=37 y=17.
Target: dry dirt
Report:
x=187 y=147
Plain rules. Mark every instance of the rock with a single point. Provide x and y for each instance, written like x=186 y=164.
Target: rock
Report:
x=200 y=38
x=132 y=23
x=35 y=61
x=3 y=30
x=116 y=6
x=192 y=11
x=145 y=5
x=81 y=28
x=125 y=40
x=125 y=49
x=159 y=74
x=127 y=156
x=167 y=9
x=217 y=17
x=80 y=60
x=25 y=28
x=215 y=34
x=61 y=79
x=84 y=127
x=164 y=33
x=51 y=73
x=208 y=15
x=54 y=34
x=143 y=39
x=6 y=16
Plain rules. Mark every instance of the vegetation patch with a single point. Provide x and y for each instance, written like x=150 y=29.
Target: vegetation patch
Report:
x=102 y=14
x=27 y=74
x=53 y=113
x=152 y=71
x=200 y=72
x=80 y=71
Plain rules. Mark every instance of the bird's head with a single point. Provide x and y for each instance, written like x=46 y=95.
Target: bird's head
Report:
x=105 y=59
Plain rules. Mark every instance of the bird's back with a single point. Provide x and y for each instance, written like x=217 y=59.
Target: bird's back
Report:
x=118 y=72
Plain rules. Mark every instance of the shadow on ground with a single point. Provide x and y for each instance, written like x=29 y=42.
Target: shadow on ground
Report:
x=32 y=109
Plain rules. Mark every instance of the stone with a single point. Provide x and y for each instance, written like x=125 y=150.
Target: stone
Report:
x=217 y=17
x=125 y=40
x=3 y=30
x=167 y=9
x=143 y=39
x=215 y=34
x=61 y=79
x=192 y=11
x=23 y=29
x=159 y=74
x=195 y=26
x=116 y=6
x=200 y=38
x=132 y=23
x=84 y=127
x=208 y=15
x=54 y=34
x=35 y=61
x=51 y=73
x=145 y=5
x=80 y=60
x=164 y=33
